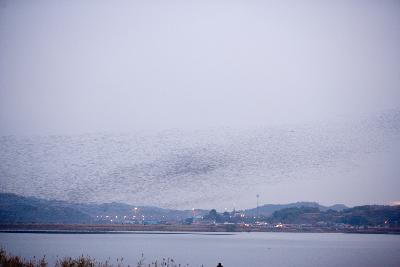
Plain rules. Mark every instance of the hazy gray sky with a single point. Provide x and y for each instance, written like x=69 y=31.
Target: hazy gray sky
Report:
x=89 y=66
x=303 y=98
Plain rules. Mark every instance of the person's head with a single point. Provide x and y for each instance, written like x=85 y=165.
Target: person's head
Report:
x=219 y=265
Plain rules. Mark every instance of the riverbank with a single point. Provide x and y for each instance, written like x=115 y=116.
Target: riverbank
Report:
x=218 y=228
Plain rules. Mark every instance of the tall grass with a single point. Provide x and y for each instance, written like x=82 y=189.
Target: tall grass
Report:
x=8 y=260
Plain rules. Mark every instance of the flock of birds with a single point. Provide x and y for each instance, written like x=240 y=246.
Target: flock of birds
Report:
x=181 y=169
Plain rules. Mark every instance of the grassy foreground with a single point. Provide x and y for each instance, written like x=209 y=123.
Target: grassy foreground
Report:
x=8 y=260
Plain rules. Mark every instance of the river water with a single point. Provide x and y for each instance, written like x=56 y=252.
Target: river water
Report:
x=195 y=249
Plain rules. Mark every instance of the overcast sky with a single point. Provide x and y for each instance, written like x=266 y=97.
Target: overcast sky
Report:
x=89 y=66
x=74 y=67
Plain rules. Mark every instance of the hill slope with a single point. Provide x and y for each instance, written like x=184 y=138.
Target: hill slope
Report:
x=268 y=209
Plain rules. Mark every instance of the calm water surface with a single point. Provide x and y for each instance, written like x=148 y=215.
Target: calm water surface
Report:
x=195 y=249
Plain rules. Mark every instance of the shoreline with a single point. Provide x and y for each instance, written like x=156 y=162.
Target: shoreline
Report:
x=174 y=229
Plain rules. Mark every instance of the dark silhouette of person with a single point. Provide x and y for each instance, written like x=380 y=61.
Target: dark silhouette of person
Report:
x=219 y=265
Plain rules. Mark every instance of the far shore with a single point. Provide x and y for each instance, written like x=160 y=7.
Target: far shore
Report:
x=174 y=229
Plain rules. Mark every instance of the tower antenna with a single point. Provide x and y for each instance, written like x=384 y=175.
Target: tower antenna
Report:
x=258 y=196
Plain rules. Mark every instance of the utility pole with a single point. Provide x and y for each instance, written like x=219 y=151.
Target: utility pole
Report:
x=258 y=196
x=135 y=213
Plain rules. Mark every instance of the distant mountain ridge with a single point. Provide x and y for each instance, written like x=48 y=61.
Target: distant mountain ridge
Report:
x=19 y=209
